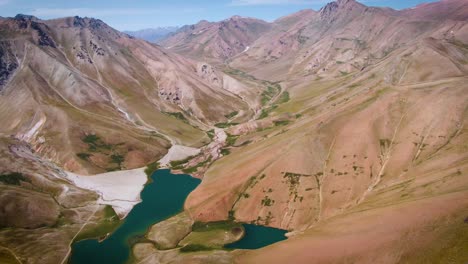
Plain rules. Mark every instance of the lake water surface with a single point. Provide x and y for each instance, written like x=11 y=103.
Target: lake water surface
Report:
x=162 y=198
x=258 y=237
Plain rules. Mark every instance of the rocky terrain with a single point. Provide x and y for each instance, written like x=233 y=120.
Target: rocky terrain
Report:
x=345 y=126
x=216 y=41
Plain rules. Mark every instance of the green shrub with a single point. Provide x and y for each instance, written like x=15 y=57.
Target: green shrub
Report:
x=151 y=168
x=83 y=156
x=225 y=151
x=13 y=178
x=232 y=114
x=177 y=115
x=281 y=122
x=91 y=139
x=231 y=140
x=117 y=158
x=175 y=163
x=284 y=97
x=217 y=225
x=225 y=125
x=195 y=248
x=195 y=168
x=211 y=133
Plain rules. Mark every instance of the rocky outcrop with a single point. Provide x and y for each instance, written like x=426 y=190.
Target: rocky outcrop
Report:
x=8 y=64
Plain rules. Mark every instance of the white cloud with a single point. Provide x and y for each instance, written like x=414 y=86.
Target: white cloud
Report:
x=108 y=12
x=276 y=2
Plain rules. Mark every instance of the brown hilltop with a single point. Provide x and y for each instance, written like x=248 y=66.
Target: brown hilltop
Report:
x=216 y=41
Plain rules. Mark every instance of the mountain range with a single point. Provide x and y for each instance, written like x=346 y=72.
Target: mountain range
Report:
x=152 y=34
x=345 y=126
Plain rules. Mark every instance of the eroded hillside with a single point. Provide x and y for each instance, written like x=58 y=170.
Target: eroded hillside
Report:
x=345 y=126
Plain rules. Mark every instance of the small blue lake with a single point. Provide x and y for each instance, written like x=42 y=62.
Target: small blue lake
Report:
x=257 y=237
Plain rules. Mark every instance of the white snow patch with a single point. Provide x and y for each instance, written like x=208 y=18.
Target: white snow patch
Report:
x=178 y=152
x=119 y=189
x=246 y=49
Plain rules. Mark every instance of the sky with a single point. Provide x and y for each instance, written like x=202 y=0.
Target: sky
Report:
x=140 y=14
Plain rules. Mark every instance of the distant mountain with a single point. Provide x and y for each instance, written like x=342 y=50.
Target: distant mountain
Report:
x=152 y=34
x=216 y=41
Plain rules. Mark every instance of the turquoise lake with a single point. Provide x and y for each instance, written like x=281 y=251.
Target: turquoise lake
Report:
x=162 y=198
x=258 y=237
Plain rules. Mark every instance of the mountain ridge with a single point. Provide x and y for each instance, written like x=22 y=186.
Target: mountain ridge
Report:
x=345 y=126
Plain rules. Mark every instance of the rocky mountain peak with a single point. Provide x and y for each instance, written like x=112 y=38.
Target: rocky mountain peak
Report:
x=333 y=7
x=88 y=22
x=22 y=17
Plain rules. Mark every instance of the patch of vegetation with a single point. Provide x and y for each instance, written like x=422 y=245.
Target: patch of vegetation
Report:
x=108 y=223
x=91 y=139
x=13 y=178
x=266 y=111
x=225 y=124
x=195 y=248
x=96 y=144
x=245 y=143
x=240 y=73
x=195 y=168
x=267 y=201
x=176 y=163
x=177 y=115
x=83 y=155
x=210 y=226
x=151 y=168
x=225 y=152
x=293 y=180
x=298 y=116
x=232 y=114
x=271 y=91
x=354 y=85
x=211 y=133
x=283 y=98
x=231 y=139
x=118 y=159
x=281 y=122
x=339 y=62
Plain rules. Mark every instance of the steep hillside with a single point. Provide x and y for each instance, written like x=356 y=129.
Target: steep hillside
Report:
x=372 y=136
x=346 y=36
x=216 y=41
x=66 y=79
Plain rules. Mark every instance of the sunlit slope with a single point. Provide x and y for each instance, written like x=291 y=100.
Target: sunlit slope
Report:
x=68 y=78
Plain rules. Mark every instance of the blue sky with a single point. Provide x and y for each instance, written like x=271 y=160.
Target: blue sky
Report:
x=139 y=14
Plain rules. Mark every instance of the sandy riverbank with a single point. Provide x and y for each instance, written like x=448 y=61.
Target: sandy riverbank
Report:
x=178 y=152
x=119 y=189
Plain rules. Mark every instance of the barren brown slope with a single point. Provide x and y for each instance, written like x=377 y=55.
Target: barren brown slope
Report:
x=343 y=37
x=371 y=152
x=216 y=41
x=67 y=78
